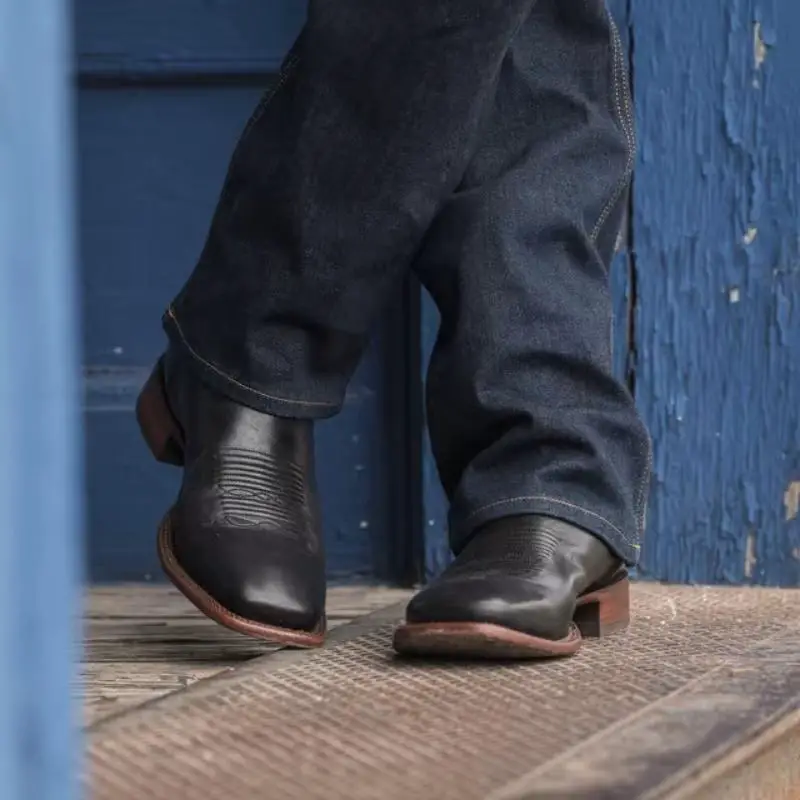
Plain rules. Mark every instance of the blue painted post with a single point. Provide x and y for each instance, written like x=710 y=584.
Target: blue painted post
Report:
x=40 y=470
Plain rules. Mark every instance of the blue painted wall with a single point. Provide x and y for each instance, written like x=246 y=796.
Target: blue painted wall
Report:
x=165 y=89
x=715 y=236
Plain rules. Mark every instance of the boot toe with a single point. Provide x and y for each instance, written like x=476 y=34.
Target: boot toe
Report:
x=279 y=595
x=506 y=601
x=269 y=580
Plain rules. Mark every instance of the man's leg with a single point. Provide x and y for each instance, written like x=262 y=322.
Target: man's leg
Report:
x=329 y=194
x=540 y=450
x=331 y=190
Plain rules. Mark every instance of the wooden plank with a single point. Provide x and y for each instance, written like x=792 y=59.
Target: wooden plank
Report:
x=767 y=768
x=149 y=39
x=142 y=642
x=690 y=740
x=717 y=202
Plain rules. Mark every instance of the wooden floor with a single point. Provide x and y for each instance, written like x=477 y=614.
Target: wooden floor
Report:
x=143 y=642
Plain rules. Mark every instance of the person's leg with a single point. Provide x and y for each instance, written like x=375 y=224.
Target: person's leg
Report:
x=332 y=187
x=539 y=448
x=331 y=190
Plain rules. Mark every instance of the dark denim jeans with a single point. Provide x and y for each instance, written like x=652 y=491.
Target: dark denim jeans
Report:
x=487 y=145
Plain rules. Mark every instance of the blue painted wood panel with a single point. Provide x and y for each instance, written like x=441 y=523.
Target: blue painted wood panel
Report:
x=156 y=128
x=717 y=252
x=152 y=38
x=40 y=470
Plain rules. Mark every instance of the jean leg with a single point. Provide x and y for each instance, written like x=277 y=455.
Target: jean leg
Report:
x=524 y=412
x=331 y=189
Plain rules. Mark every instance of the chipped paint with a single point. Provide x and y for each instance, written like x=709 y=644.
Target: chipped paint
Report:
x=791 y=500
x=729 y=216
x=759 y=46
x=750 y=560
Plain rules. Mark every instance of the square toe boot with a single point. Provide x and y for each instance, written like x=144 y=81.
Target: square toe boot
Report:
x=242 y=541
x=523 y=587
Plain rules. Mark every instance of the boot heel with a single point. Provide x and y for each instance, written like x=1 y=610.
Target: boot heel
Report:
x=604 y=611
x=159 y=427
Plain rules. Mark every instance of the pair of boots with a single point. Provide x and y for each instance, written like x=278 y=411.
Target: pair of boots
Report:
x=243 y=543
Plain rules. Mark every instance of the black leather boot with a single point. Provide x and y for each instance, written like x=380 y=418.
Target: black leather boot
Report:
x=523 y=587
x=242 y=541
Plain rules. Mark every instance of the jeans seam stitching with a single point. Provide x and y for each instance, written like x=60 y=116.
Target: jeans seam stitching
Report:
x=620 y=77
x=624 y=115
x=557 y=501
x=620 y=187
x=220 y=373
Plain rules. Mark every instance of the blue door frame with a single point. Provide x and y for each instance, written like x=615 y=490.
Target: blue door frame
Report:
x=40 y=470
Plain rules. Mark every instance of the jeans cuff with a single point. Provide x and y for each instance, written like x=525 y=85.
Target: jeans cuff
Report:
x=462 y=526
x=238 y=391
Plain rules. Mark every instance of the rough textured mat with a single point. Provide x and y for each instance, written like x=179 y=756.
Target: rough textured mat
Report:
x=705 y=678
x=145 y=641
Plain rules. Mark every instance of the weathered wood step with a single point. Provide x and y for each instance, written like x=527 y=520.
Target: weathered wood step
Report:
x=700 y=699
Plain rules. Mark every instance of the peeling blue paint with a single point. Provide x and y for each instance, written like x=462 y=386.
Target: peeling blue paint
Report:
x=716 y=229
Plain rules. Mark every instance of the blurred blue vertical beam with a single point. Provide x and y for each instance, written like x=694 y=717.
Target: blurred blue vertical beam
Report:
x=40 y=469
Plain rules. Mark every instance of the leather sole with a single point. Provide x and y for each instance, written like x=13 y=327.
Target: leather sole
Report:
x=164 y=437
x=599 y=613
